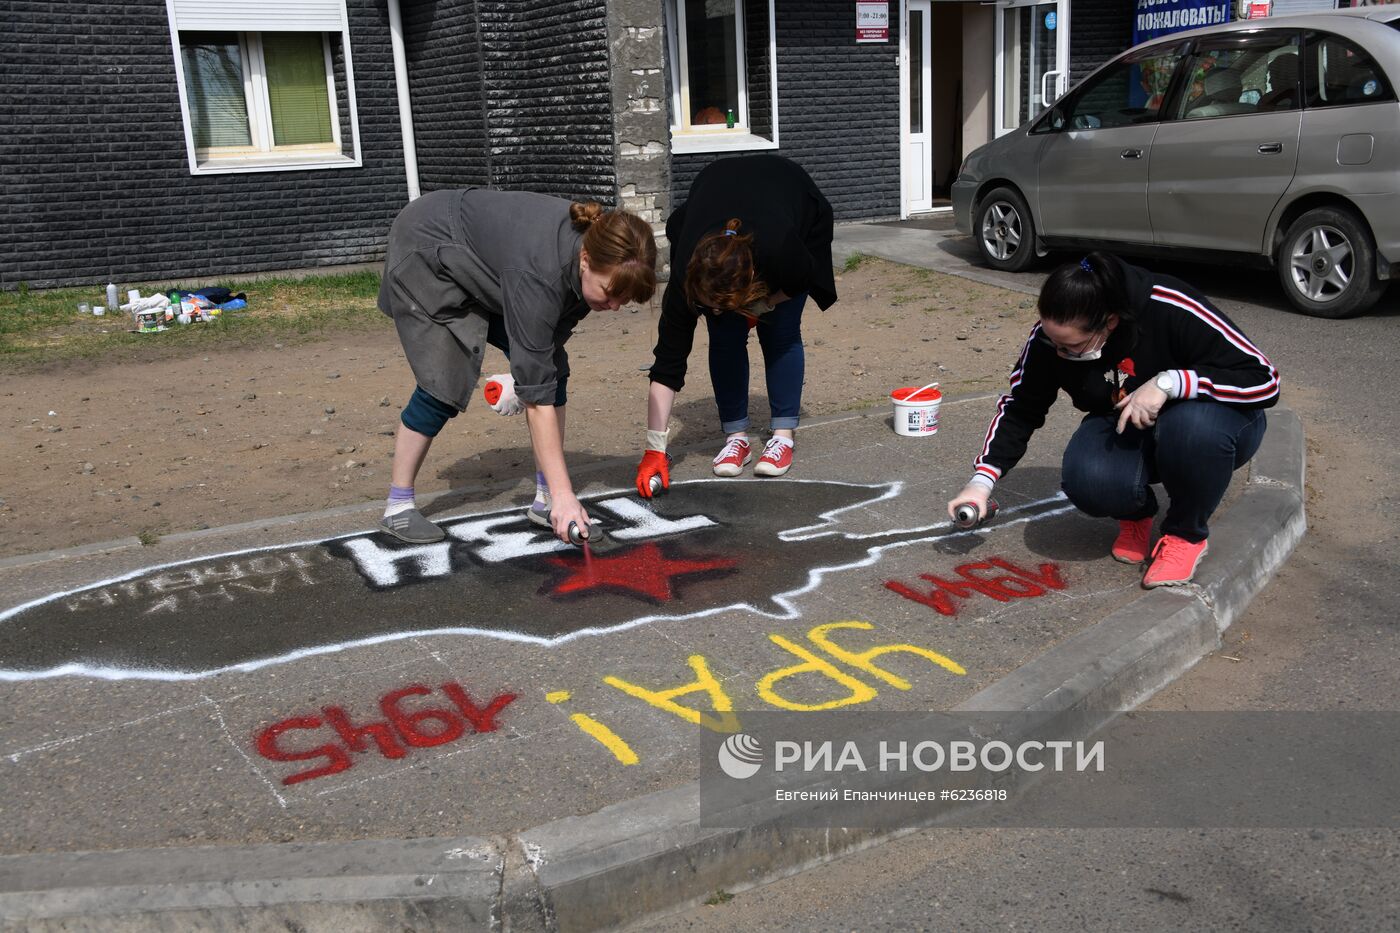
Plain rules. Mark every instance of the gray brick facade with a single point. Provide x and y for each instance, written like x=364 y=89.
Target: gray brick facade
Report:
x=1099 y=30
x=97 y=184
x=96 y=180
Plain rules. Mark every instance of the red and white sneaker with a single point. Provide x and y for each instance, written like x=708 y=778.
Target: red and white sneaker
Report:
x=776 y=459
x=734 y=457
x=1174 y=562
x=1131 y=546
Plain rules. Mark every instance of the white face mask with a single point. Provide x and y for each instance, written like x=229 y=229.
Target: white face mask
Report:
x=1083 y=356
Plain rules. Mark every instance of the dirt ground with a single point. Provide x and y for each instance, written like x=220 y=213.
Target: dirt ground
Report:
x=94 y=452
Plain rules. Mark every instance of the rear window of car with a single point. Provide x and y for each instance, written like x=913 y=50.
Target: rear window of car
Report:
x=1341 y=73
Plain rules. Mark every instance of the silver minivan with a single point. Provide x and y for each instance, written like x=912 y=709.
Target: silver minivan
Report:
x=1275 y=142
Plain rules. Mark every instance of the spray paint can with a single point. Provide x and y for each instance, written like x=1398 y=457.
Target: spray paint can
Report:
x=965 y=515
x=655 y=484
x=112 y=301
x=595 y=535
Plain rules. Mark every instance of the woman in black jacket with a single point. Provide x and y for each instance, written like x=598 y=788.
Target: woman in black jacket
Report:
x=750 y=243
x=1175 y=393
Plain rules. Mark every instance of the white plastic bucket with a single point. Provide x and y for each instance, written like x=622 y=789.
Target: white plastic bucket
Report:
x=916 y=410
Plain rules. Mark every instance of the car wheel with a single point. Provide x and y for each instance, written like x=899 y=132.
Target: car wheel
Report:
x=1005 y=231
x=1327 y=264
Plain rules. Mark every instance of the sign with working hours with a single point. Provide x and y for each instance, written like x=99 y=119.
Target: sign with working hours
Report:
x=872 y=21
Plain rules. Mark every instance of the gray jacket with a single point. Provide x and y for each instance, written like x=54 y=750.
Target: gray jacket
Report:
x=510 y=253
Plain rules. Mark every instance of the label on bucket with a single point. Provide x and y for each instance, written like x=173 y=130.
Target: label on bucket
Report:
x=921 y=420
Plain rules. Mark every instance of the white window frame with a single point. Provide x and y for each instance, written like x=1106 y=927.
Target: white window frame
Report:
x=261 y=155
x=717 y=137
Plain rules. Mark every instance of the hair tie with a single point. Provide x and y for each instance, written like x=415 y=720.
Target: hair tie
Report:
x=728 y=232
x=1084 y=264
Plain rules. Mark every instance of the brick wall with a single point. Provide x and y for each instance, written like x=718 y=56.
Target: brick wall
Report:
x=1099 y=30
x=838 y=109
x=442 y=43
x=512 y=96
x=96 y=180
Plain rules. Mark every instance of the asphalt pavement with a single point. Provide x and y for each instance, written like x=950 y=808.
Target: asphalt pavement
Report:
x=304 y=722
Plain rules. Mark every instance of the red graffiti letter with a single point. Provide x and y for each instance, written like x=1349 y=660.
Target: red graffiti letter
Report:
x=354 y=736
x=266 y=745
x=482 y=720
x=936 y=600
x=1049 y=575
x=451 y=728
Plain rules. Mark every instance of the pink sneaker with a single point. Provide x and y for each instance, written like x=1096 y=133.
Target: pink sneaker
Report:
x=776 y=459
x=1174 y=562
x=733 y=458
x=1131 y=547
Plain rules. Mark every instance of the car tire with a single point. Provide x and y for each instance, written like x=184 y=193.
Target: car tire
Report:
x=1004 y=230
x=1327 y=264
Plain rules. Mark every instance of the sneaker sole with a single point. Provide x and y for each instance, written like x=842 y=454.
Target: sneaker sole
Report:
x=539 y=518
x=409 y=539
x=1124 y=559
x=765 y=468
x=729 y=469
x=1183 y=582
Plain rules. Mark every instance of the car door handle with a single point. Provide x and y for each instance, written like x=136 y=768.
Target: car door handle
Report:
x=1130 y=154
x=1270 y=148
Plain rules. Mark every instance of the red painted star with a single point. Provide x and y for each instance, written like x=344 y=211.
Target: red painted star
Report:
x=644 y=572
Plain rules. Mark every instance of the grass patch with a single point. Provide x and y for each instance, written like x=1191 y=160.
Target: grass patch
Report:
x=45 y=326
x=148 y=537
x=719 y=897
x=855 y=261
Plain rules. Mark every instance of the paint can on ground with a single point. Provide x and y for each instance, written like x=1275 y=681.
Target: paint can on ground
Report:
x=916 y=410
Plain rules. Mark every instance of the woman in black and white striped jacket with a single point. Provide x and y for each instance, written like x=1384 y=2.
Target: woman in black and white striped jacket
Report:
x=1174 y=394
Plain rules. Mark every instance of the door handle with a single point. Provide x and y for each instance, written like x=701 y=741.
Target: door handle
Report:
x=1045 y=99
x=1130 y=154
x=1270 y=148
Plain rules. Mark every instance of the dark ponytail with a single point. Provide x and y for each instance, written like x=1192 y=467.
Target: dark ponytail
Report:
x=1084 y=293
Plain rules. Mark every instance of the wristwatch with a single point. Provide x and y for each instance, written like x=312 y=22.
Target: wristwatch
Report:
x=1166 y=383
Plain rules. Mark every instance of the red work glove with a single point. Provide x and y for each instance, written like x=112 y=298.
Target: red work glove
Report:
x=654 y=463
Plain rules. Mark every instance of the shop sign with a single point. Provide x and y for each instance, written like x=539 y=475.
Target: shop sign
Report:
x=872 y=21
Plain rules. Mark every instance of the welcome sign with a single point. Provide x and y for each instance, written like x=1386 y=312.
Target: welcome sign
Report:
x=1155 y=18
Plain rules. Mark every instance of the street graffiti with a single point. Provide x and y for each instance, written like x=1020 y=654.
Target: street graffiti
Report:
x=849 y=678
x=709 y=547
x=1010 y=582
x=402 y=728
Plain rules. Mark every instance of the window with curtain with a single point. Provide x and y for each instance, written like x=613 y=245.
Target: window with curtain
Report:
x=257 y=95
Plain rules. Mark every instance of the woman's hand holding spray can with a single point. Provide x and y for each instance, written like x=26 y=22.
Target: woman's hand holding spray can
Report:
x=965 y=514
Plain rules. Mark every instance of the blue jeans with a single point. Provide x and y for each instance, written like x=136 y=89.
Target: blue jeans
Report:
x=784 y=363
x=1191 y=451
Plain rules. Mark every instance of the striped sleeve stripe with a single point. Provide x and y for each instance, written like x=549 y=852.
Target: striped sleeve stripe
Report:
x=978 y=464
x=1238 y=340
x=1021 y=360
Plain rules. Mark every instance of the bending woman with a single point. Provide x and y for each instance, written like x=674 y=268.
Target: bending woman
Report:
x=517 y=271
x=750 y=243
x=1175 y=394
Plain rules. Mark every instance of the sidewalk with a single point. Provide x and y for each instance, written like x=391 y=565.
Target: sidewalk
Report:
x=241 y=733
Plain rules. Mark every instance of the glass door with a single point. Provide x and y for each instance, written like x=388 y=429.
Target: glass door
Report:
x=1032 y=58
x=918 y=101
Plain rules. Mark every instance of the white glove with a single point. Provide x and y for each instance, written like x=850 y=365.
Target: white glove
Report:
x=508 y=403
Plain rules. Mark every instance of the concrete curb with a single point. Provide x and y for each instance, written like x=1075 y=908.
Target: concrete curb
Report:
x=642 y=857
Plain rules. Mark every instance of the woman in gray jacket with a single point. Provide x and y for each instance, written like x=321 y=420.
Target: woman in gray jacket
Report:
x=518 y=271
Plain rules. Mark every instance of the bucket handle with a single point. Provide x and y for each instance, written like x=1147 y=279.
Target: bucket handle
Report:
x=915 y=394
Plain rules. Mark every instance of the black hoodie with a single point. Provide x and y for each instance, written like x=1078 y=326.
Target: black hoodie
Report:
x=1173 y=328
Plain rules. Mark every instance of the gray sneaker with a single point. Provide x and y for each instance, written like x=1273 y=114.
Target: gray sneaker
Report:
x=538 y=512
x=411 y=526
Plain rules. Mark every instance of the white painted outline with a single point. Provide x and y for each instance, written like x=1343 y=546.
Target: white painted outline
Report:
x=785 y=599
